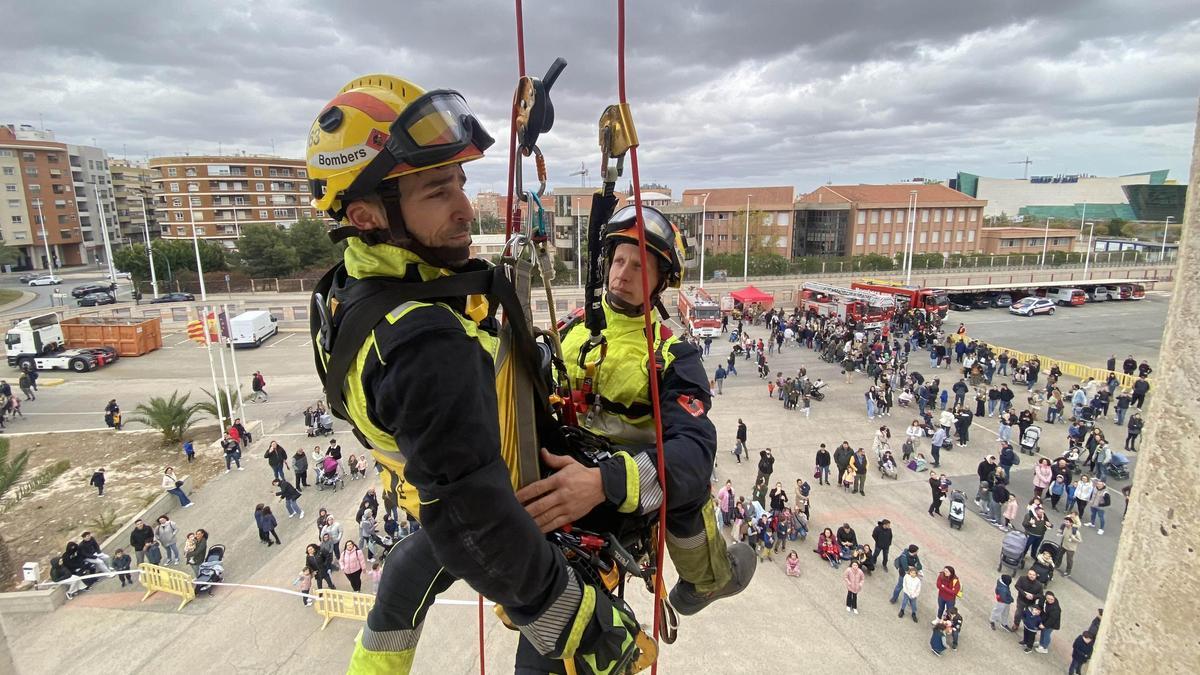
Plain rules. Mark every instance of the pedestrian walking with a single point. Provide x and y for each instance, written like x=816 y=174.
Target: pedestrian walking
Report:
x=740 y=448
x=26 y=386
x=304 y=582
x=821 y=473
x=300 y=469
x=166 y=532
x=289 y=494
x=1072 y=535
x=258 y=385
x=121 y=563
x=766 y=464
x=258 y=523
x=720 y=376
x=269 y=523
x=1097 y=503
x=1081 y=652
x=97 y=481
x=315 y=560
x=277 y=457
x=174 y=486
x=882 y=536
x=189 y=451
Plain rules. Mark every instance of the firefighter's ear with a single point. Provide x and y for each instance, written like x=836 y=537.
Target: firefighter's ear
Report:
x=367 y=214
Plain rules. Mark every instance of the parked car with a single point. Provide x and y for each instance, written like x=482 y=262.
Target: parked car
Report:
x=28 y=277
x=981 y=301
x=1031 y=306
x=46 y=281
x=1068 y=297
x=960 y=303
x=1098 y=294
x=86 y=289
x=97 y=298
x=124 y=275
x=1131 y=292
x=173 y=297
x=1001 y=300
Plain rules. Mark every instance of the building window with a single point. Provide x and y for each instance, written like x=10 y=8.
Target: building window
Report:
x=274 y=172
x=262 y=200
x=949 y=215
x=14 y=203
x=970 y=235
x=871 y=239
x=193 y=187
x=887 y=217
x=972 y=216
x=899 y=238
x=258 y=172
x=282 y=213
x=7 y=153
x=862 y=217
x=858 y=238
x=176 y=201
x=922 y=239
x=874 y=217
x=935 y=237
x=937 y=215
x=946 y=237
x=174 y=187
x=887 y=238
x=194 y=201
x=190 y=172
x=179 y=215
x=31 y=171
x=924 y=215
x=301 y=173
x=308 y=214
x=899 y=216
x=19 y=236
x=18 y=220
x=29 y=156
x=258 y=187
x=172 y=171
x=962 y=215
x=10 y=171
x=958 y=235
x=263 y=215
x=10 y=187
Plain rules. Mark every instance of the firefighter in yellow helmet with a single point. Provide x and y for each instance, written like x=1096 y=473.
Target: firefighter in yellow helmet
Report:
x=385 y=161
x=622 y=411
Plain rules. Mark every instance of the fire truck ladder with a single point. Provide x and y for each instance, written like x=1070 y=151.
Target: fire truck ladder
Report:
x=869 y=297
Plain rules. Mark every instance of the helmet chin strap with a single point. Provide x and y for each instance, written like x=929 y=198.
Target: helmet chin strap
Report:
x=397 y=234
x=625 y=309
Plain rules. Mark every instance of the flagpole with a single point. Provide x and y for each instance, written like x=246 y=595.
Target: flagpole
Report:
x=224 y=375
x=211 y=368
x=237 y=380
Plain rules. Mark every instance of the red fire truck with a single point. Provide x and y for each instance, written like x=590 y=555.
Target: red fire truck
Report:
x=867 y=309
x=930 y=300
x=699 y=312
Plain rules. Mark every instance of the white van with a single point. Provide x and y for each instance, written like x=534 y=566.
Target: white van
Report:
x=1067 y=296
x=250 y=329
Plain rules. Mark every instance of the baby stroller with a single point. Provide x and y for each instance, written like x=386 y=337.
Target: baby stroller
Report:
x=1088 y=417
x=1118 y=466
x=322 y=425
x=211 y=570
x=331 y=475
x=1029 y=439
x=887 y=466
x=958 y=508
x=1012 y=551
x=816 y=393
x=1048 y=557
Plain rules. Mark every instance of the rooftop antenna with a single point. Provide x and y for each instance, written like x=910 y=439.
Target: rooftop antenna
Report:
x=1026 y=162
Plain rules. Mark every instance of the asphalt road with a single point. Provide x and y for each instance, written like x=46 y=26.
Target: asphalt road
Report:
x=45 y=294
x=1087 y=334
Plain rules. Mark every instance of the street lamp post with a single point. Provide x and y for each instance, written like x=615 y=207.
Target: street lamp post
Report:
x=196 y=245
x=1088 y=258
x=746 y=253
x=1163 y=256
x=112 y=274
x=1045 y=241
x=149 y=249
x=45 y=239
x=704 y=217
x=912 y=235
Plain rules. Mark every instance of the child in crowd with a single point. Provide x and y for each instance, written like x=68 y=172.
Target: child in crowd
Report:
x=1004 y=598
x=1010 y=510
x=793 y=565
x=121 y=563
x=305 y=582
x=912 y=589
x=1031 y=623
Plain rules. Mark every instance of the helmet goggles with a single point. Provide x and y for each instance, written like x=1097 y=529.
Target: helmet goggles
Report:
x=438 y=128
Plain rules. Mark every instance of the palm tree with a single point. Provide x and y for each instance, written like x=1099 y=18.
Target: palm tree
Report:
x=12 y=488
x=172 y=416
x=230 y=397
x=11 y=469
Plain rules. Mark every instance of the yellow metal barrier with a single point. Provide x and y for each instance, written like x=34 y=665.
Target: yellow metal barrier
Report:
x=333 y=604
x=1069 y=368
x=167 y=580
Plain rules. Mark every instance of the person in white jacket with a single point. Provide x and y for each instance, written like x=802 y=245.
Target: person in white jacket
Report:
x=172 y=484
x=912 y=588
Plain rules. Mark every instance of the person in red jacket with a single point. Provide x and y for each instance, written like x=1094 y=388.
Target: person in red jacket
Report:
x=827 y=548
x=948 y=589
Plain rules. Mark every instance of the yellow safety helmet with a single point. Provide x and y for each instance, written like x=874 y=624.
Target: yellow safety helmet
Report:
x=380 y=127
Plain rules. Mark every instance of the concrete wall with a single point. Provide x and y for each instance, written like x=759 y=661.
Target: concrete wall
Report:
x=1155 y=593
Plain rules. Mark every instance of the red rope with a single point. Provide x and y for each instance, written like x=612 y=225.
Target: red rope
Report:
x=512 y=210
x=650 y=337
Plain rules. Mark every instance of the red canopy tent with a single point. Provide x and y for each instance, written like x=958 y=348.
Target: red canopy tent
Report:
x=752 y=296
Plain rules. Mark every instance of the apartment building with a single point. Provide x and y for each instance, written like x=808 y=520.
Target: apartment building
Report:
x=1020 y=240
x=725 y=226
x=39 y=182
x=571 y=207
x=219 y=194
x=844 y=220
x=133 y=192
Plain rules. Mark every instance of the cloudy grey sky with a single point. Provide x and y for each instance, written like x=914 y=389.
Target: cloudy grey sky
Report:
x=784 y=92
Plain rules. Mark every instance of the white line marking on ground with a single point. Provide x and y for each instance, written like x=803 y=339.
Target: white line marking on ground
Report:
x=280 y=341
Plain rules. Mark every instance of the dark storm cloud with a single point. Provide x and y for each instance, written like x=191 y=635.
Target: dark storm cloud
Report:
x=724 y=93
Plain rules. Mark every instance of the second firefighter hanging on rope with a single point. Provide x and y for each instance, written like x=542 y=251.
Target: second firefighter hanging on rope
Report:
x=622 y=412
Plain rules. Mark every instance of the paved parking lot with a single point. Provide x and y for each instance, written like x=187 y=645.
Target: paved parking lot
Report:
x=778 y=622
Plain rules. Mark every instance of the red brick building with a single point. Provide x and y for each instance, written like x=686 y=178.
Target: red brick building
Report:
x=771 y=212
